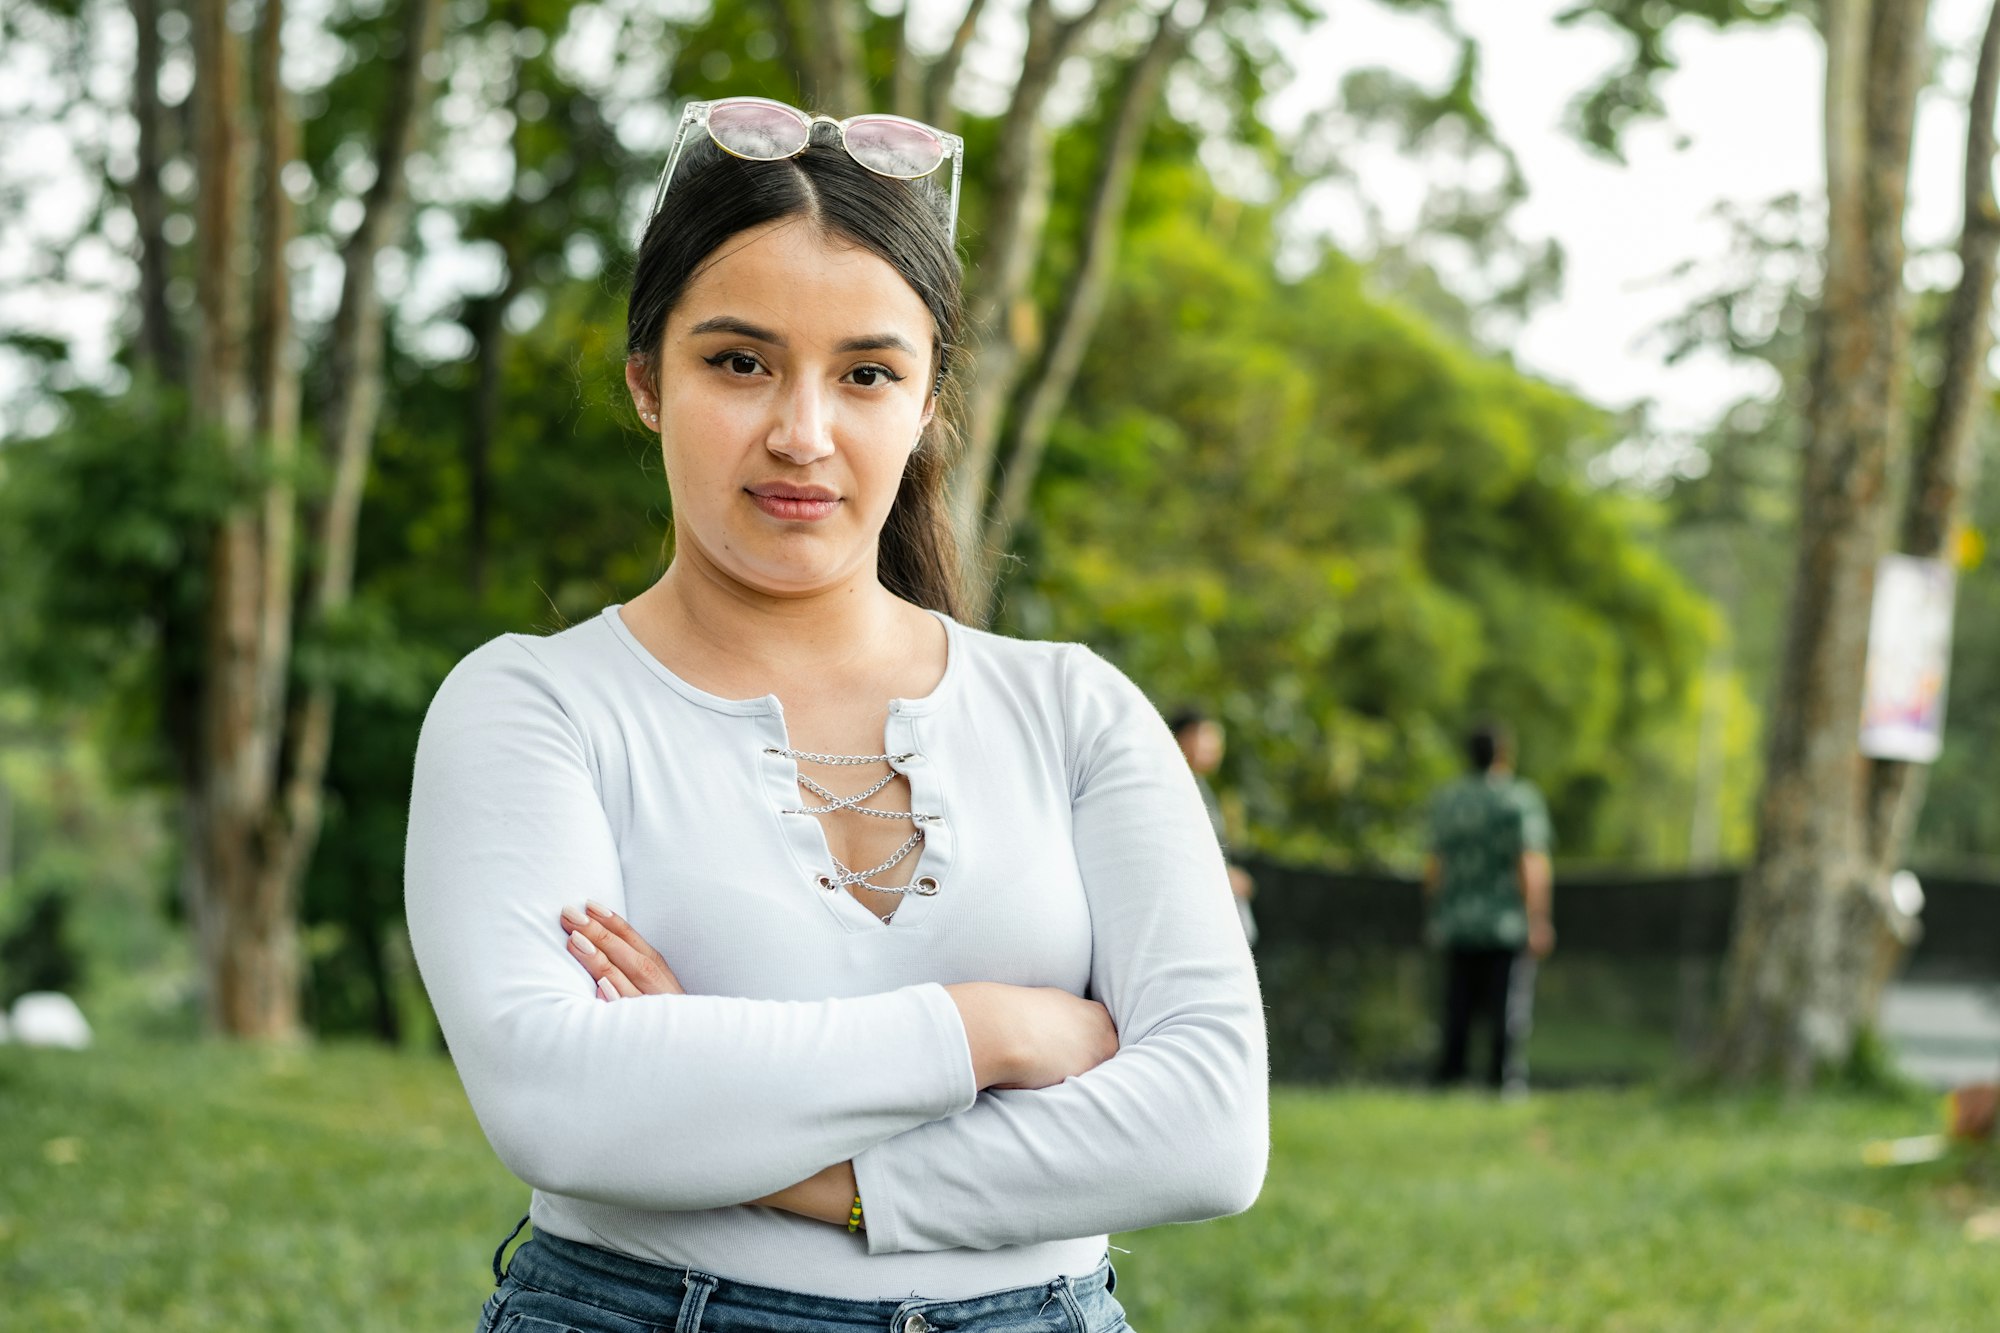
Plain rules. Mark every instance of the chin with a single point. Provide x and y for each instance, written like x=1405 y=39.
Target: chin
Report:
x=791 y=577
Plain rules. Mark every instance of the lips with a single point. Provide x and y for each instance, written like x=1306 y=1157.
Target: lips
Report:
x=793 y=503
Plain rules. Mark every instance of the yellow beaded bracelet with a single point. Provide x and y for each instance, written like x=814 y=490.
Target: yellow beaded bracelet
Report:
x=854 y=1215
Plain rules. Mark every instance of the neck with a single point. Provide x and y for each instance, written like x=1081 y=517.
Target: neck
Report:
x=700 y=606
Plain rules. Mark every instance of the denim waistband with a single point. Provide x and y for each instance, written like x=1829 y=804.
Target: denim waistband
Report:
x=686 y=1298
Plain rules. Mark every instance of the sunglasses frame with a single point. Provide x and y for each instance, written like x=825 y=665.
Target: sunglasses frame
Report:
x=697 y=112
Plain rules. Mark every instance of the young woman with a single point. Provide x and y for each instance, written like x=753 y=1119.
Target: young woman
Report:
x=822 y=963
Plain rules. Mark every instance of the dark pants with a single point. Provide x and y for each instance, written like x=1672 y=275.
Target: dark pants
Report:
x=1498 y=987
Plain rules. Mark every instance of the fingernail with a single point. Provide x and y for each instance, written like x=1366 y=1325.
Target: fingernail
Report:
x=582 y=942
x=606 y=989
x=598 y=907
x=575 y=916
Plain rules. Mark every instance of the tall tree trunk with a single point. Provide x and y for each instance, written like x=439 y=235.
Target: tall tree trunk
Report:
x=938 y=79
x=1946 y=459
x=252 y=786
x=159 y=341
x=347 y=430
x=905 y=74
x=276 y=377
x=1002 y=320
x=486 y=318
x=834 y=72
x=250 y=965
x=1083 y=296
x=482 y=425
x=1793 y=977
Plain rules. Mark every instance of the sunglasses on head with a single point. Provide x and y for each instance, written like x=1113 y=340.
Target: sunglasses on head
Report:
x=760 y=130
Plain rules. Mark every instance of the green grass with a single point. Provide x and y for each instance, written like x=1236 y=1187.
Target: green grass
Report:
x=189 y=1187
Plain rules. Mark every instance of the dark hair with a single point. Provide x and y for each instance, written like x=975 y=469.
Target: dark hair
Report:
x=714 y=196
x=1192 y=715
x=1487 y=742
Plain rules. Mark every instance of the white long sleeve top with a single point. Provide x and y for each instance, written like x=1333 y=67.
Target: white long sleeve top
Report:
x=1071 y=850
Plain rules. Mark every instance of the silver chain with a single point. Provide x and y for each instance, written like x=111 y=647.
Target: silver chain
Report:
x=861 y=877
x=840 y=760
x=924 y=886
x=837 y=803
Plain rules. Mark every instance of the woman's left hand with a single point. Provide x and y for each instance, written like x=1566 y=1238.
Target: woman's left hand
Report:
x=616 y=956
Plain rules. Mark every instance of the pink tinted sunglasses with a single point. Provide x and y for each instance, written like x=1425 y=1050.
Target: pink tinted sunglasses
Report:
x=761 y=130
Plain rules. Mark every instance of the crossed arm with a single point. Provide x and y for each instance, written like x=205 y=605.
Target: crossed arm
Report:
x=1019 y=1037
x=918 y=1093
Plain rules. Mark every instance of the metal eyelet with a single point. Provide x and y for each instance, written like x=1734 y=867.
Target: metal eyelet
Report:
x=925 y=887
x=824 y=881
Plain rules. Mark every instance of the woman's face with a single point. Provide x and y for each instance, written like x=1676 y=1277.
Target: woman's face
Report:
x=795 y=378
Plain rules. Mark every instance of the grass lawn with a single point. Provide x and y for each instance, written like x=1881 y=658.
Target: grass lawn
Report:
x=188 y=1187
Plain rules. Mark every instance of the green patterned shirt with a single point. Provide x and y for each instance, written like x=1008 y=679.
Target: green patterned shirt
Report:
x=1478 y=828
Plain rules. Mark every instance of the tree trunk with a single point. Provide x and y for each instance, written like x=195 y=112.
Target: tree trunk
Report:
x=348 y=426
x=1794 y=974
x=834 y=74
x=1084 y=295
x=1002 y=320
x=905 y=75
x=486 y=319
x=159 y=342
x=251 y=823
x=250 y=949
x=482 y=425
x=276 y=377
x=937 y=104
x=1942 y=472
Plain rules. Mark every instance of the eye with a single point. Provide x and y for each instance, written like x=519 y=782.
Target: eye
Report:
x=871 y=377
x=736 y=363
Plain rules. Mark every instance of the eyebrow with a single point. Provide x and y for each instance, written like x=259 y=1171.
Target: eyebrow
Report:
x=873 y=342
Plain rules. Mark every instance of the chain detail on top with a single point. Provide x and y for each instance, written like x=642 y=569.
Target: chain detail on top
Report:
x=841 y=760
x=924 y=886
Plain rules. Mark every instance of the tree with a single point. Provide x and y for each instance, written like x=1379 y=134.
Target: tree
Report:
x=1803 y=979
x=227 y=560
x=1348 y=534
x=1032 y=308
x=444 y=415
x=248 y=652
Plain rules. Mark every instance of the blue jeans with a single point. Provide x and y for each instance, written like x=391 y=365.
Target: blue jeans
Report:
x=554 y=1285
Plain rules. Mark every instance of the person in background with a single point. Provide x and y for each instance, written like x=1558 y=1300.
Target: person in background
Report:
x=1490 y=893
x=1201 y=741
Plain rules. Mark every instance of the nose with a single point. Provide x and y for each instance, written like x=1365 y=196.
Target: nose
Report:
x=803 y=431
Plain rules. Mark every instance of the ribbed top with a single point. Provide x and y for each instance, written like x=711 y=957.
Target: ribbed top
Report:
x=1069 y=847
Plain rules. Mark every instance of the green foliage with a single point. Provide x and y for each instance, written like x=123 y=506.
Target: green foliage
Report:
x=1331 y=518
x=1629 y=94
x=105 y=527
x=1461 y=264
x=1351 y=536
x=84 y=868
x=39 y=953
x=178 y=1188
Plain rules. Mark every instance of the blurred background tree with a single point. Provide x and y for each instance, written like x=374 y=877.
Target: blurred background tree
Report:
x=1885 y=458
x=1312 y=492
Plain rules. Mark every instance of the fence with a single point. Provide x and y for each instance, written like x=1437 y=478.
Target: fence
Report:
x=1351 y=991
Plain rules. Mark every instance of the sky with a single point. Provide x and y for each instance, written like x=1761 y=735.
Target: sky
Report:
x=1742 y=128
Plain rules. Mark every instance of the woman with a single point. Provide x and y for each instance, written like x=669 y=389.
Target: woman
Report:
x=759 y=912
